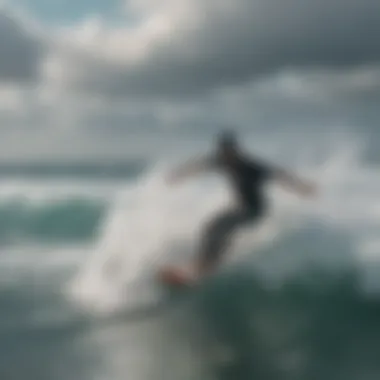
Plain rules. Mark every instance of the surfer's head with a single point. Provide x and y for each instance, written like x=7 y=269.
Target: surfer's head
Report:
x=228 y=146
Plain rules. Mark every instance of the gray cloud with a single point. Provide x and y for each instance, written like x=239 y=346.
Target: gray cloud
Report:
x=20 y=52
x=229 y=44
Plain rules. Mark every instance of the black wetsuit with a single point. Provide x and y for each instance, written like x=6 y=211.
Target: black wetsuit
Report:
x=247 y=178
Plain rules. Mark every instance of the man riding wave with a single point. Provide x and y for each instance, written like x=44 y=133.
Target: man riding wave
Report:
x=247 y=176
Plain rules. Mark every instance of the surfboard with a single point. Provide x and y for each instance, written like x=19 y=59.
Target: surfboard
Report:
x=176 y=277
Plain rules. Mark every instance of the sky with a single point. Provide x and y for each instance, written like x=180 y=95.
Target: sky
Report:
x=95 y=78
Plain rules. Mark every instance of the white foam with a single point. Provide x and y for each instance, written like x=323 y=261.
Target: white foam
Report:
x=152 y=223
x=149 y=225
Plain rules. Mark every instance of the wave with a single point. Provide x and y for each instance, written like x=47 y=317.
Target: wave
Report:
x=296 y=308
x=71 y=219
x=316 y=325
x=59 y=202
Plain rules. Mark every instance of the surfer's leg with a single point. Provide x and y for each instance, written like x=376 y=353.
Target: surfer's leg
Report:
x=217 y=236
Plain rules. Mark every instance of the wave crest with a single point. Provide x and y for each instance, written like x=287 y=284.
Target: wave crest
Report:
x=70 y=219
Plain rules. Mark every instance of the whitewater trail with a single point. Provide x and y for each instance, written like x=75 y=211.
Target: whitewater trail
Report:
x=150 y=224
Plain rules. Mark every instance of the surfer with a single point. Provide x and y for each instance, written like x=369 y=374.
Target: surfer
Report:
x=247 y=176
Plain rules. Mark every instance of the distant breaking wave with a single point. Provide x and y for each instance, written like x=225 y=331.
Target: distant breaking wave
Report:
x=72 y=219
x=59 y=202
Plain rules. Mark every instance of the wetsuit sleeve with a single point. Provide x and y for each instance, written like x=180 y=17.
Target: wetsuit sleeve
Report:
x=263 y=171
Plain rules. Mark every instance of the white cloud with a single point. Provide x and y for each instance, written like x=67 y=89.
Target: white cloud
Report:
x=188 y=48
x=98 y=81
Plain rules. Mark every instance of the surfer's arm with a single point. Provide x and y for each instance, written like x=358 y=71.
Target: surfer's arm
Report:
x=294 y=183
x=191 y=168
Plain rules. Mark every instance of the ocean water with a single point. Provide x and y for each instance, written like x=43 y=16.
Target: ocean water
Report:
x=297 y=300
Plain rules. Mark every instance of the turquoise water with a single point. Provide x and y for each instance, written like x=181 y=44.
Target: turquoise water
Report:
x=77 y=300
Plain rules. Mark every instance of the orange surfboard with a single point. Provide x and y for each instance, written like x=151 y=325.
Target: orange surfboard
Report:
x=174 y=276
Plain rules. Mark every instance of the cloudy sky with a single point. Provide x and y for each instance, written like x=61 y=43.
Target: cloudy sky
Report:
x=90 y=76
